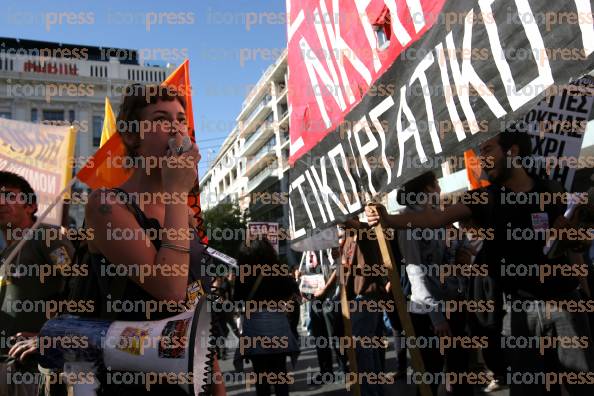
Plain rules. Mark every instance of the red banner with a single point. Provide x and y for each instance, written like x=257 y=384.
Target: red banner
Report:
x=337 y=52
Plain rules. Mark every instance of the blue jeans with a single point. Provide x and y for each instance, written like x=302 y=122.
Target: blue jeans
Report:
x=365 y=324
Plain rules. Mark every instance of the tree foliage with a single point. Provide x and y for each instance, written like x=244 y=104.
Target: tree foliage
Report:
x=225 y=225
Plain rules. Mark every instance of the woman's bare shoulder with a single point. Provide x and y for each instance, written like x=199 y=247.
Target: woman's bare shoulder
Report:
x=104 y=202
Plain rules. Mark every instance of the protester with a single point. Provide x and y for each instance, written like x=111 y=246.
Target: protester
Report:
x=514 y=201
x=318 y=317
x=335 y=322
x=326 y=322
x=36 y=275
x=424 y=259
x=267 y=338
x=221 y=288
x=153 y=126
x=490 y=358
x=392 y=324
x=365 y=286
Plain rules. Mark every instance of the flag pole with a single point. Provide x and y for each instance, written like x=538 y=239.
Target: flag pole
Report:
x=345 y=264
x=400 y=301
x=38 y=222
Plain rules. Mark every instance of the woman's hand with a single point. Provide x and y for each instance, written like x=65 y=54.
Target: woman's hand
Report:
x=180 y=171
x=23 y=348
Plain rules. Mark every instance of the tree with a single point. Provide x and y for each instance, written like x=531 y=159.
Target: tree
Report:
x=226 y=227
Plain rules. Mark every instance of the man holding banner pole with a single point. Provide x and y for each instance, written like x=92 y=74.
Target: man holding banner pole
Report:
x=369 y=254
x=544 y=304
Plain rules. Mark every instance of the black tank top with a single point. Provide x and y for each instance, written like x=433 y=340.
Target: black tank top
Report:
x=131 y=293
x=117 y=294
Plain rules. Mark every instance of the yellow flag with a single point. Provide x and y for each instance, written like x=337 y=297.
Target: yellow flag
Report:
x=109 y=123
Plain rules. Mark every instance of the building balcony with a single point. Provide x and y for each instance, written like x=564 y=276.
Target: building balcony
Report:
x=259 y=160
x=282 y=96
x=259 y=114
x=257 y=139
x=258 y=180
x=284 y=139
x=284 y=119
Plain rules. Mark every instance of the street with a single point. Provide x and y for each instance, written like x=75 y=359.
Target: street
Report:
x=306 y=367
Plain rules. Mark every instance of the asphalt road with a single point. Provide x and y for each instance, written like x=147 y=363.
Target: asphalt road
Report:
x=306 y=367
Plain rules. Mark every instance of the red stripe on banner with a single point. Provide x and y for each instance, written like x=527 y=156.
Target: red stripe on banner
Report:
x=336 y=52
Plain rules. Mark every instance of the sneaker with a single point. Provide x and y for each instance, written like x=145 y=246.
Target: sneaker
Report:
x=494 y=386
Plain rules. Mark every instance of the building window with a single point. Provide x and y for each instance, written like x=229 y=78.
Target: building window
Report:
x=97 y=128
x=382 y=38
x=53 y=115
x=71 y=116
x=6 y=114
x=34 y=117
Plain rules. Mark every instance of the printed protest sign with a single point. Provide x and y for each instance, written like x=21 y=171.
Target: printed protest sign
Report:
x=42 y=154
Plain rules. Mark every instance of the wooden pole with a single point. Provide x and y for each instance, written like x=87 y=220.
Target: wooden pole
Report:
x=400 y=301
x=345 y=265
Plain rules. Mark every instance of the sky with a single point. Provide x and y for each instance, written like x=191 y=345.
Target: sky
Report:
x=229 y=44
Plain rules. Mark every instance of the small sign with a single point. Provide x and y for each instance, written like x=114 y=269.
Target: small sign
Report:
x=258 y=230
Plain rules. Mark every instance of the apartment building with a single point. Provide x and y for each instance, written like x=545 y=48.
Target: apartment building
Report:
x=252 y=165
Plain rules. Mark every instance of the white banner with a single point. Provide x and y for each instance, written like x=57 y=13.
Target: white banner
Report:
x=42 y=154
x=557 y=126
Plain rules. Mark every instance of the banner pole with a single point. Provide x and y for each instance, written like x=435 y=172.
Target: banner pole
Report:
x=348 y=326
x=37 y=223
x=400 y=301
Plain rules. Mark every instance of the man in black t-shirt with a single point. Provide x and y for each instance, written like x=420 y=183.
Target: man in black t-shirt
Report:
x=546 y=322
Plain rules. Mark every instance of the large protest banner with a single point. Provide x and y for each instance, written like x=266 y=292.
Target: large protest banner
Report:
x=382 y=91
x=42 y=154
